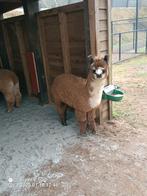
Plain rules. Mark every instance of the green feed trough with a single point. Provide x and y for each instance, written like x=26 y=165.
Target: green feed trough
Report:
x=112 y=93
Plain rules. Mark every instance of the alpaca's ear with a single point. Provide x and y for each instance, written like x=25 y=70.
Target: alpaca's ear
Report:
x=90 y=59
x=106 y=58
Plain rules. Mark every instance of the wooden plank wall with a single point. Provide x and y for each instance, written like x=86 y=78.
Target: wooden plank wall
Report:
x=62 y=40
x=15 y=37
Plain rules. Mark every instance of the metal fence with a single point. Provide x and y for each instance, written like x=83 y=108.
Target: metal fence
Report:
x=126 y=3
x=130 y=42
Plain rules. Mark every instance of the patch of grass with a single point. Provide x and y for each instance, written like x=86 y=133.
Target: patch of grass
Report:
x=142 y=74
x=119 y=112
x=116 y=114
x=137 y=61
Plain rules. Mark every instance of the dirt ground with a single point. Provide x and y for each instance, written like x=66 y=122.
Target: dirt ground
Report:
x=39 y=157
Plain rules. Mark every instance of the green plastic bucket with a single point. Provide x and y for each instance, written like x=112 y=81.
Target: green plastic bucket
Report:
x=112 y=93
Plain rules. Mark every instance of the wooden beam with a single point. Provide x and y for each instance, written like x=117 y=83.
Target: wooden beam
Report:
x=31 y=7
x=66 y=8
x=22 y=48
x=65 y=42
x=44 y=54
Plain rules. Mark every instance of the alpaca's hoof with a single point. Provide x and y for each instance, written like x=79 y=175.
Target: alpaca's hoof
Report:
x=93 y=132
x=9 y=110
x=64 y=123
x=17 y=106
x=84 y=134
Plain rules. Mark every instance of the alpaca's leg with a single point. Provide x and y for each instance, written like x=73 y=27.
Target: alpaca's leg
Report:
x=17 y=95
x=81 y=117
x=91 y=120
x=61 y=108
x=10 y=99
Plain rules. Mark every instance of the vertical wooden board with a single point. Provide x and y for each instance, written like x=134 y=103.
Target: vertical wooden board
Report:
x=44 y=53
x=17 y=61
x=109 y=51
x=103 y=4
x=22 y=48
x=87 y=35
x=65 y=42
x=103 y=45
x=103 y=14
x=7 y=44
x=104 y=52
x=103 y=25
x=103 y=36
x=54 y=44
x=105 y=116
x=92 y=26
x=33 y=72
x=77 y=42
x=50 y=39
x=1 y=64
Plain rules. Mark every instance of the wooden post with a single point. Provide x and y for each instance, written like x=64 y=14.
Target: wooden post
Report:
x=44 y=55
x=93 y=10
x=3 y=50
x=92 y=21
x=65 y=42
x=8 y=46
x=87 y=35
x=1 y=64
x=109 y=52
x=22 y=49
x=31 y=7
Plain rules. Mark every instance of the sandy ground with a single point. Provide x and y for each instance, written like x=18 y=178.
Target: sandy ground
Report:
x=40 y=157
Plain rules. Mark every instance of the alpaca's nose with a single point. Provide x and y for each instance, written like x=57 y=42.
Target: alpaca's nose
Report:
x=99 y=71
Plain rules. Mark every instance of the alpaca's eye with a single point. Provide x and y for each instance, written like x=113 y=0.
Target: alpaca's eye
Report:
x=104 y=71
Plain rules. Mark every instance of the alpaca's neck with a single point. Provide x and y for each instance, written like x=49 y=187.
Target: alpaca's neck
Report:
x=95 y=90
x=93 y=86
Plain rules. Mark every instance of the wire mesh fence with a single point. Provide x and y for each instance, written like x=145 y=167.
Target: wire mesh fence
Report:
x=129 y=35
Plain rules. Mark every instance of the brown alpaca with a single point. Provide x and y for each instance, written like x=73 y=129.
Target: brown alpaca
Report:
x=84 y=95
x=9 y=87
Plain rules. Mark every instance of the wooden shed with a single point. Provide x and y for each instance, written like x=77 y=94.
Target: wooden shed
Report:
x=60 y=41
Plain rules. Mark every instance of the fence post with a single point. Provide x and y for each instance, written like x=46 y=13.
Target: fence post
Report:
x=112 y=36
x=146 y=43
x=119 y=46
x=134 y=27
x=137 y=13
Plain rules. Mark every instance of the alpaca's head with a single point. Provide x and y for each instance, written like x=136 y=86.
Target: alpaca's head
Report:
x=98 y=67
